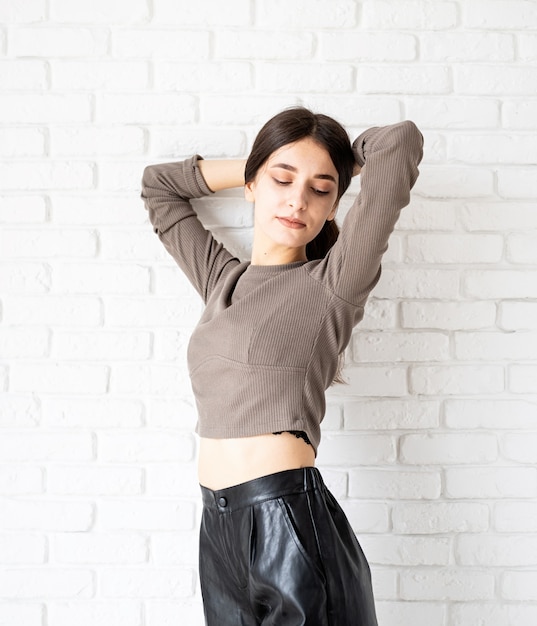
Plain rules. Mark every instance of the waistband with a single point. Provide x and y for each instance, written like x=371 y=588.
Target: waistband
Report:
x=264 y=488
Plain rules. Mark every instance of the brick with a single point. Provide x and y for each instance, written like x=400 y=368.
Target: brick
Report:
x=466 y=47
x=22 y=411
x=91 y=480
x=158 y=43
x=358 y=112
x=120 y=176
x=456 y=379
x=379 y=315
x=494 y=346
x=397 y=414
x=172 y=479
x=522 y=378
x=165 y=612
x=520 y=447
x=58 y=378
x=501 y=14
x=400 y=346
x=519 y=114
x=145 y=379
x=503 y=284
x=516 y=517
x=147 y=514
x=22 y=209
x=518 y=315
x=373 y=381
x=100 y=75
x=97 y=548
x=498 y=216
x=527 y=47
x=45 y=176
x=148 y=583
x=453 y=113
x=98 y=209
x=448 y=448
x=212 y=143
x=417 y=15
x=447 y=584
x=45 y=108
x=175 y=549
x=27 y=614
x=507 y=148
x=496 y=551
x=349 y=449
x=494 y=80
x=53 y=310
x=346 y=46
x=94 y=612
x=100 y=11
x=301 y=14
x=154 y=312
x=407 y=551
x=394 y=484
x=179 y=414
x=455 y=182
x=203 y=77
x=522 y=249
x=48 y=243
x=517 y=183
x=440 y=517
x=295 y=77
x=448 y=315
x=171 y=345
x=101 y=346
x=20 y=343
x=495 y=614
x=20 y=480
x=58 y=42
x=147 y=108
x=232 y=212
x=487 y=482
x=144 y=446
x=102 y=279
x=21 y=515
x=131 y=245
x=367 y=517
x=29 y=11
x=490 y=414
x=418 y=284
x=404 y=79
x=22 y=142
x=50 y=583
x=247 y=110
x=27 y=75
x=264 y=45
x=46 y=446
x=210 y=13
x=403 y=613
x=437 y=215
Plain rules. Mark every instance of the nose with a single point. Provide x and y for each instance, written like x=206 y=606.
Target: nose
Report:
x=297 y=198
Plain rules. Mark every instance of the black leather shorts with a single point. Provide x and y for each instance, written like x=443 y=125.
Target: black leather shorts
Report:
x=279 y=551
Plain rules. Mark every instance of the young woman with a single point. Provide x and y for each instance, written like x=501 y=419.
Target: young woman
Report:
x=275 y=547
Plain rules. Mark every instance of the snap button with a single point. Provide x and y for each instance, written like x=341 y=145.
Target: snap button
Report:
x=222 y=501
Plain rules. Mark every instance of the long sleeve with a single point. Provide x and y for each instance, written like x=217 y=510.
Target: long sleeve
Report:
x=167 y=190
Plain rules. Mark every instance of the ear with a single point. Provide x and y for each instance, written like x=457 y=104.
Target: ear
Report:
x=332 y=214
x=249 y=191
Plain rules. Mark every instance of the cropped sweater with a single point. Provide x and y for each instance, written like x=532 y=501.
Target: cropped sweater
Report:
x=266 y=347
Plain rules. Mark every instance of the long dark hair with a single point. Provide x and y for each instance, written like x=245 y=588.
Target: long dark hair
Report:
x=298 y=123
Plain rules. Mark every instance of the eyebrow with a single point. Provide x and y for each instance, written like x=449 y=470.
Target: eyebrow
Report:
x=286 y=166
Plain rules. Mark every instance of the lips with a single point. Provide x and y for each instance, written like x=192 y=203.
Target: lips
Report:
x=291 y=223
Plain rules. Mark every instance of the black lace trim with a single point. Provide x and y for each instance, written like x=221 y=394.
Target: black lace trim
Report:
x=299 y=434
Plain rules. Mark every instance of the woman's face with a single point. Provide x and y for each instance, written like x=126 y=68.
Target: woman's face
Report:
x=294 y=192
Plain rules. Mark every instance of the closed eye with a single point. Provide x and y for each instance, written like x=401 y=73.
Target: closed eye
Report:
x=321 y=192
x=281 y=182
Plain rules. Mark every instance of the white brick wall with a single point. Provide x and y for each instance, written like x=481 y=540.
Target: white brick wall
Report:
x=431 y=447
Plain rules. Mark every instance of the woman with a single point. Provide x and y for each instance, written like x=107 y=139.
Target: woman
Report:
x=275 y=547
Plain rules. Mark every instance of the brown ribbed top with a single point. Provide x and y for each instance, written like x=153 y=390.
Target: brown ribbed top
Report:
x=266 y=347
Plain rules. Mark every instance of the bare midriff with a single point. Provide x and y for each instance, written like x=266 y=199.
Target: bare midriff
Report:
x=227 y=462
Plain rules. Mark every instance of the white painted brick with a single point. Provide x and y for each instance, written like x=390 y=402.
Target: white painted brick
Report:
x=263 y=45
x=501 y=14
x=491 y=482
x=153 y=312
x=100 y=11
x=151 y=515
x=58 y=42
x=27 y=75
x=47 y=583
x=44 y=243
x=55 y=175
x=404 y=79
x=410 y=15
x=447 y=584
x=144 y=445
x=164 y=613
x=58 y=378
x=27 y=614
x=195 y=77
x=356 y=113
x=120 y=176
x=210 y=13
x=101 y=278
x=447 y=448
x=516 y=517
x=232 y=212
x=175 y=548
x=381 y=414
x=527 y=47
x=55 y=310
x=147 y=583
x=496 y=550
x=20 y=479
x=520 y=447
x=159 y=380
x=95 y=613
x=305 y=14
x=98 y=209
x=22 y=209
x=407 y=551
x=19 y=411
x=19 y=549
x=336 y=481
x=430 y=215
x=505 y=148
x=94 y=480
x=518 y=114
x=367 y=517
x=520 y=346
x=172 y=479
x=448 y=315
x=493 y=614
x=40 y=515
x=501 y=284
x=171 y=345
x=490 y=414
x=21 y=142
x=100 y=75
x=379 y=315
x=418 y=284
x=456 y=379
x=156 y=43
x=245 y=110
x=394 y=484
x=372 y=381
x=494 y=80
x=453 y=113
x=467 y=46
x=96 y=548
x=18 y=343
x=336 y=46
x=45 y=108
x=400 y=346
x=455 y=182
x=45 y=446
x=146 y=108
x=294 y=77
x=517 y=183
x=211 y=143
x=522 y=248
x=501 y=216
x=523 y=378
x=404 y=613
x=29 y=11
x=131 y=245
x=101 y=346
x=441 y=517
x=172 y=413
x=3 y=378
x=349 y=449
x=518 y=315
